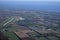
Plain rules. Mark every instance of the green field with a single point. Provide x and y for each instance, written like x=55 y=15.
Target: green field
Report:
x=11 y=35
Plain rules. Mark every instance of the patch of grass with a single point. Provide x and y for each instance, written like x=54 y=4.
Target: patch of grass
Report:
x=41 y=38
x=53 y=38
x=11 y=35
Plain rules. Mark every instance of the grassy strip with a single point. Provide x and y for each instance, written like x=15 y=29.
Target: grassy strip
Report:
x=11 y=35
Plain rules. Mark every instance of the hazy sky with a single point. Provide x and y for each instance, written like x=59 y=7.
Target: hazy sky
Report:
x=29 y=0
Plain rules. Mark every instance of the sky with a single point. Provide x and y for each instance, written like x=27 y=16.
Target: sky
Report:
x=29 y=0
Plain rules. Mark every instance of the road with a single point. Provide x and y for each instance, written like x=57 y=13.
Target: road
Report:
x=8 y=21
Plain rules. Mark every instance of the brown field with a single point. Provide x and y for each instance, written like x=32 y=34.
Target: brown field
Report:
x=22 y=33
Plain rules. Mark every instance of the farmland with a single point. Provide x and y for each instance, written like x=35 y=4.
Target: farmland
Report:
x=30 y=25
